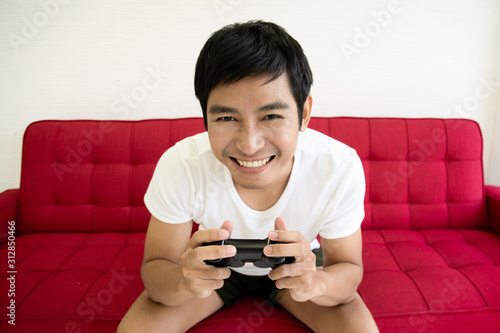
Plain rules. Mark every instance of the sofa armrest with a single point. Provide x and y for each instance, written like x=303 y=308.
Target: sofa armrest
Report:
x=9 y=200
x=493 y=204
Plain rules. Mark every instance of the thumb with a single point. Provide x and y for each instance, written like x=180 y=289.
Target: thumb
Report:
x=280 y=224
x=228 y=226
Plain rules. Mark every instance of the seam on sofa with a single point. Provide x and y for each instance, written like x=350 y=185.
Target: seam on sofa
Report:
x=408 y=203
x=446 y=173
x=370 y=170
x=84 y=295
x=386 y=243
x=19 y=261
x=63 y=270
x=77 y=248
x=132 y=167
x=433 y=312
x=404 y=271
x=419 y=290
x=56 y=140
x=477 y=289
x=229 y=319
x=473 y=244
x=92 y=203
x=116 y=256
x=465 y=275
x=34 y=287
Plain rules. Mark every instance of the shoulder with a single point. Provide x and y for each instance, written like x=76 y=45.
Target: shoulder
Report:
x=321 y=146
x=193 y=145
x=188 y=150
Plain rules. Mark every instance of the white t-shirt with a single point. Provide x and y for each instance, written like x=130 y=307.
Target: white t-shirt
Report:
x=324 y=194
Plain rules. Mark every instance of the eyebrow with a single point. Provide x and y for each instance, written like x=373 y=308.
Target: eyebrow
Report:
x=216 y=108
x=274 y=106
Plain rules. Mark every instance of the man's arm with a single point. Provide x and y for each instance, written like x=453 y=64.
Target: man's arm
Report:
x=335 y=283
x=342 y=269
x=173 y=269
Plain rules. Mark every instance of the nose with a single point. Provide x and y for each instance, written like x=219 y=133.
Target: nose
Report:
x=250 y=140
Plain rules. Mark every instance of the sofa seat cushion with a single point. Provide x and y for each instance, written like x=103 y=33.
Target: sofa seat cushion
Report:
x=86 y=282
x=427 y=278
x=250 y=314
x=73 y=282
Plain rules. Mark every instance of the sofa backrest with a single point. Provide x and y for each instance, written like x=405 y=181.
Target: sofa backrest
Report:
x=91 y=176
x=420 y=173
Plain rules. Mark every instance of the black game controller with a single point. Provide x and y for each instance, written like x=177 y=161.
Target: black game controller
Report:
x=248 y=250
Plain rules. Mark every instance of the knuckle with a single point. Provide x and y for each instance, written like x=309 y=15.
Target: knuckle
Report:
x=216 y=273
x=217 y=284
x=298 y=237
x=277 y=249
x=199 y=254
x=222 y=251
x=202 y=293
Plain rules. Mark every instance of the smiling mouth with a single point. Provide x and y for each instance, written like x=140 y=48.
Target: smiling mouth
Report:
x=252 y=164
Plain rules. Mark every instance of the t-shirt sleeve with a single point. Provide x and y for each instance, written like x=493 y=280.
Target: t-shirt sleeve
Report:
x=348 y=212
x=170 y=193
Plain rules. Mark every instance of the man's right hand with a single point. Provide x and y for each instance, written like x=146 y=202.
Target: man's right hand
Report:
x=201 y=279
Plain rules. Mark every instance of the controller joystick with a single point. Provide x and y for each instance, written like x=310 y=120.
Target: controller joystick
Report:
x=248 y=250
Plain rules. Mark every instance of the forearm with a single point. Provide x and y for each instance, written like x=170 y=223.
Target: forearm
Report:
x=165 y=282
x=336 y=284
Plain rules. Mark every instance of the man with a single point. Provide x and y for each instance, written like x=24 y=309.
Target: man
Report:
x=257 y=172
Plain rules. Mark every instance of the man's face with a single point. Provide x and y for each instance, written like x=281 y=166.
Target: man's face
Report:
x=253 y=130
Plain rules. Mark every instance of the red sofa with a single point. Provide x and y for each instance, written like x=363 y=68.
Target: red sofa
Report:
x=75 y=229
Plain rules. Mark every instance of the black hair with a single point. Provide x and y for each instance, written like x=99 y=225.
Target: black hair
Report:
x=251 y=49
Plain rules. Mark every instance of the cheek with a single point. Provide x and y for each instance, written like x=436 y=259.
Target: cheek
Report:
x=215 y=141
x=286 y=144
x=219 y=142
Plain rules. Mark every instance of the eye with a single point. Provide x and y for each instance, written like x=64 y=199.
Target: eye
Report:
x=225 y=119
x=272 y=117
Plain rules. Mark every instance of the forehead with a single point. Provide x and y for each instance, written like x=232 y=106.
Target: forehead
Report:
x=252 y=91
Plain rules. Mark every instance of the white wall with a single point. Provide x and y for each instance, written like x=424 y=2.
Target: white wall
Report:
x=90 y=59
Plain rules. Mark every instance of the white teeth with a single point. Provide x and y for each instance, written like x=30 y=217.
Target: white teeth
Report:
x=253 y=164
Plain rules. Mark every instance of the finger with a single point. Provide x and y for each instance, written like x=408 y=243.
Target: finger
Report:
x=213 y=273
x=296 y=269
x=280 y=224
x=206 y=236
x=203 y=288
x=285 y=236
x=228 y=226
x=288 y=283
x=293 y=284
x=211 y=252
x=296 y=250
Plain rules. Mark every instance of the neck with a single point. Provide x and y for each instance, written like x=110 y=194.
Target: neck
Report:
x=263 y=198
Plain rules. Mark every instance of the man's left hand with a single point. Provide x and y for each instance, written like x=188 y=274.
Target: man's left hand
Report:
x=300 y=276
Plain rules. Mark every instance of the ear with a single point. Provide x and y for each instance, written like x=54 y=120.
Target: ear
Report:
x=306 y=115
